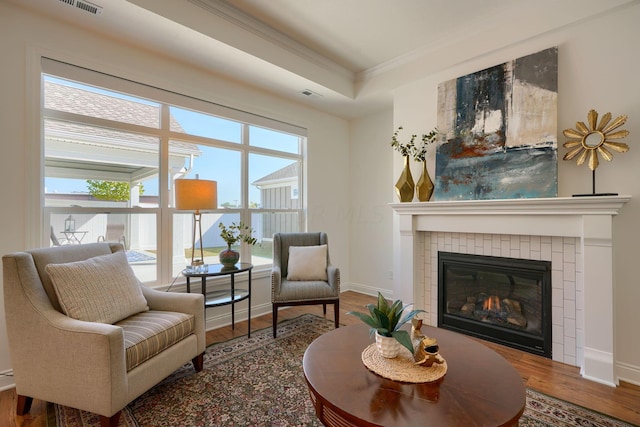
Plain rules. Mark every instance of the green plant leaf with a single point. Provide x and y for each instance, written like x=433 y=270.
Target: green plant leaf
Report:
x=409 y=316
x=384 y=332
x=383 y=304
x=371 y=308
x=365 y=318
x=395 y=306
x=383 y=320
x=386 y=319
x=394 y=314
x=404 y=339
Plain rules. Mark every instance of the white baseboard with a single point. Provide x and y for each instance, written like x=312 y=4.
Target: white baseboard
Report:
x=628 y=373
x=6 y=382
x=366 y=289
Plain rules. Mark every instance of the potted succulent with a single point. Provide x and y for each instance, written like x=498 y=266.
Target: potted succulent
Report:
x=385 y=321
x=233 y=234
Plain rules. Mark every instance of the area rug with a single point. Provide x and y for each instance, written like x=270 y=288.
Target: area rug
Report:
x=259 y=382
x=137 y=256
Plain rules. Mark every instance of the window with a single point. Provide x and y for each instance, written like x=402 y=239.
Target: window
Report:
x=113 y=148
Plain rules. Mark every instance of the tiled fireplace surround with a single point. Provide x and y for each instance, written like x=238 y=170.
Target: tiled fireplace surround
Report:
x=575 y=234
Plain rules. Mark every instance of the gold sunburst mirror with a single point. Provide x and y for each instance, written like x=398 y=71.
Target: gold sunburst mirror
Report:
x=593 y=140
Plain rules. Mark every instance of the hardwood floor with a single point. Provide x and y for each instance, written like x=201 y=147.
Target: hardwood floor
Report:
x=552 y=378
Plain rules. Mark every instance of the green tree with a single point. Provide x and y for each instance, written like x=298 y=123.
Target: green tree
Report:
x=111 y=190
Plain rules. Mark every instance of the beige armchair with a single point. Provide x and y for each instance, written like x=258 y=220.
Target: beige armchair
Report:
x=303 y=275
x=92 y=366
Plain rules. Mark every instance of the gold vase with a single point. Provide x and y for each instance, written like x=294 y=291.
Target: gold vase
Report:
x=424 y=188
x=405 y=186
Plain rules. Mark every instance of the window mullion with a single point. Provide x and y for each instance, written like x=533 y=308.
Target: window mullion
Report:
x=245 y=213
x=165 y=221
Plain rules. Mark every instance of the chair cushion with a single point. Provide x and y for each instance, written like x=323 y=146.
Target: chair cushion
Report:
x=102 y=289
x=150 y=333
x=307 y=263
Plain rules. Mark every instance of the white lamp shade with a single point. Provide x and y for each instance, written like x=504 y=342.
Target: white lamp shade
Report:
x=196 y=194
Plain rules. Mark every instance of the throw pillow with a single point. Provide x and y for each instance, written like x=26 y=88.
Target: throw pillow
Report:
x=101 y=289
x=307 y=263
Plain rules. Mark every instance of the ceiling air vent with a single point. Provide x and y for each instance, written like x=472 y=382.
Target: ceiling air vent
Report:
x=84 y=5
x=310 y=93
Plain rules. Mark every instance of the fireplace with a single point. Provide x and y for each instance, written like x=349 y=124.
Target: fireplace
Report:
x=504 y=300
x=576 y=233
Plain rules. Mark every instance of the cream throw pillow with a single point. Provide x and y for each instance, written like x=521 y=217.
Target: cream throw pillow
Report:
x=307 y=263
x=102 y=289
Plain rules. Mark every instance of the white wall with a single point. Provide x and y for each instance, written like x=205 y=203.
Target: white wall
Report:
x=25 y=36
x=370 y=217
x=598 y=68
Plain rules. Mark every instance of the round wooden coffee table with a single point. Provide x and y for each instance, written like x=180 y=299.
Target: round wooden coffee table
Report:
x=480 y=388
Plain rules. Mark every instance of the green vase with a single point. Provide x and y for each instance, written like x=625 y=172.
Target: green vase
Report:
x=424 y=187
x=229 y=257
x=405 y=186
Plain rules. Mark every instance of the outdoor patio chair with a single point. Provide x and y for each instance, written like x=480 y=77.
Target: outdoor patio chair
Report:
x=302 y=273
x=114 y=233
x=58 y=241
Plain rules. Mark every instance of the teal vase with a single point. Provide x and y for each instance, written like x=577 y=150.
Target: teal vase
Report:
x=229 y=257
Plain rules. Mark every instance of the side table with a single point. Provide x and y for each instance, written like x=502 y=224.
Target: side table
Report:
x=74 y=237
x=225 y=296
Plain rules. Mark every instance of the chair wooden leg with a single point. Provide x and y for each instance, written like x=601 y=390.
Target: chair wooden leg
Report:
x=111 y=421
x=274 y=316
x=336 y=309
x=324 y=309
x=23 y=405
x=198 y=362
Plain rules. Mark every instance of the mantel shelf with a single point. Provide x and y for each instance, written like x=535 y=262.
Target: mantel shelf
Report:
x=589 y=205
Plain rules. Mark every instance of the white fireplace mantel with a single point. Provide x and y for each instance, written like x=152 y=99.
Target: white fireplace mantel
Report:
x=589 y=219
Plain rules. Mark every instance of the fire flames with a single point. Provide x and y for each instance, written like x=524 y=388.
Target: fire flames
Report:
x=492 y=303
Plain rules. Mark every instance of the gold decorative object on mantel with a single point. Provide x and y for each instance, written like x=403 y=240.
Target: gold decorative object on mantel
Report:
x=424 y=186
x=405 y=185
x=589 y=141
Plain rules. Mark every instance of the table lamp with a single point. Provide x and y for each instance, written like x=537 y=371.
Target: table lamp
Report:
x=195 y=195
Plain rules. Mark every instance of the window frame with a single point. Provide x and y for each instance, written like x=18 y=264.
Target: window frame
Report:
x=164 y=212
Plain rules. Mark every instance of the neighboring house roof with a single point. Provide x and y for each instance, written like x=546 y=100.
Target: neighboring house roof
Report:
x=103 y=153
x=285 y=175
x=80 y=101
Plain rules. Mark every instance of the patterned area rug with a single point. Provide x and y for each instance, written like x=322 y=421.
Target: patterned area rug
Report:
x=137 y=256
x=259 y=382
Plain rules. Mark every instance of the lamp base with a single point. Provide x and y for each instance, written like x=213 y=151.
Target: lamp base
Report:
x=195 y=262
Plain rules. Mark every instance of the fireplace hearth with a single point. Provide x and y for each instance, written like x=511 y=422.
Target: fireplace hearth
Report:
x=504 y=300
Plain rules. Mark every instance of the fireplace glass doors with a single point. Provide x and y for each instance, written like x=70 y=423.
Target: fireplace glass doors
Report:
x=504 y=300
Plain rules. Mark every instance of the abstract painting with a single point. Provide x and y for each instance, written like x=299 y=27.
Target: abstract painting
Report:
x=499 y=129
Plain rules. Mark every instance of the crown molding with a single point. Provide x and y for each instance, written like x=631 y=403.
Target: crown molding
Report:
x=223 y=9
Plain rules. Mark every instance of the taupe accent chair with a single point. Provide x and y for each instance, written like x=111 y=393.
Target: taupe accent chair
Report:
x=288 y=291
x=96 y=366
